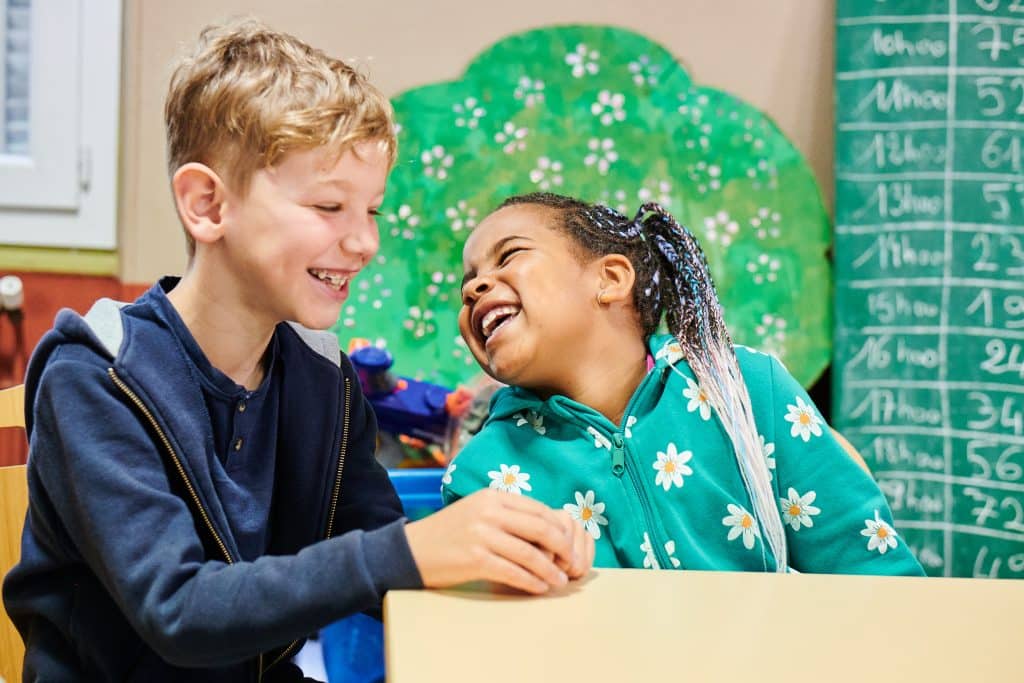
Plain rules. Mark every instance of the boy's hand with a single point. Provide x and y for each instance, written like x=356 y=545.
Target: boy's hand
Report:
x=500 y=537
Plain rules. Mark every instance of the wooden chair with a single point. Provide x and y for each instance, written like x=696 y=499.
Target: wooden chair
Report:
x=852 y=452
x=13 y=504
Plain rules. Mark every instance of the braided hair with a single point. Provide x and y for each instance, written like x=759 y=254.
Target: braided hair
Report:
x=673 y=282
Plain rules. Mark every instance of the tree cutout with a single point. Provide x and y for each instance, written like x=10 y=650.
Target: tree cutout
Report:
x=607 y=115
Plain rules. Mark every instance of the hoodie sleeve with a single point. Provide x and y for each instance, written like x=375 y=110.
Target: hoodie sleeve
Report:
x=100 y=468
x=836 y=518
x=469 y=470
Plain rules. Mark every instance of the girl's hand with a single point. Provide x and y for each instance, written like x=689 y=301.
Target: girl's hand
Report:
x=583 y=549
x=500 y=537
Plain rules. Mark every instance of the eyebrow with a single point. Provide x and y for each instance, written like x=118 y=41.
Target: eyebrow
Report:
x=493 y=250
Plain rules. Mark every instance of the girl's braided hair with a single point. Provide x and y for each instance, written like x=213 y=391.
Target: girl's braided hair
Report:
x=673 y=281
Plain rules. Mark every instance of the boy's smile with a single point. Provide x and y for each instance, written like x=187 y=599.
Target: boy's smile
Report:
x=527 y=298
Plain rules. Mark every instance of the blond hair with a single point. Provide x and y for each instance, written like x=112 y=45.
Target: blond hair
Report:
x=247 y=95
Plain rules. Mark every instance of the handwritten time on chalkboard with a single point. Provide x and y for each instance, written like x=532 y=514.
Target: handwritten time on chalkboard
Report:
x=929 y=349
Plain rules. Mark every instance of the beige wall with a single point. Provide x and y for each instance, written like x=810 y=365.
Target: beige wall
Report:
x=777 y=55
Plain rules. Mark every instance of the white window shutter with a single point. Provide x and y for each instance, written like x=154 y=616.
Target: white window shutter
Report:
x=39 y=155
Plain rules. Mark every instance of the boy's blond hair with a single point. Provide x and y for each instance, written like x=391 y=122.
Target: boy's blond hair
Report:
x=247 y=95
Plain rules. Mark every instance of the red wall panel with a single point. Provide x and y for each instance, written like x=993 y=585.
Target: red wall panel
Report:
x=45 y=294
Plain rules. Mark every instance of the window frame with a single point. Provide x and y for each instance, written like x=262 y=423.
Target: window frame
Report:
x=73 y=204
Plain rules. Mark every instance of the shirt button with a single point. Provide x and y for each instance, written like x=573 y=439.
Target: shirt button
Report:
x=238 y=444
x=241 y=406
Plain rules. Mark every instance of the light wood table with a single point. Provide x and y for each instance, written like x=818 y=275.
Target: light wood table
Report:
x=639 y=625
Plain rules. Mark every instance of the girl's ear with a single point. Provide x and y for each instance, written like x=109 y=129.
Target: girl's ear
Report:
x=616 y=277
x=199 y=196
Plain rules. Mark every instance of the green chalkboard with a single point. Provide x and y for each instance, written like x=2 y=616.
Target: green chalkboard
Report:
x=929 y=267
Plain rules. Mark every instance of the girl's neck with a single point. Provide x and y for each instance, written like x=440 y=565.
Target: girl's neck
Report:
x=606 y=378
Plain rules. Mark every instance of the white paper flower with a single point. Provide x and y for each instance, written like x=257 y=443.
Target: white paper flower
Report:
x=530 y=91
x=797 y=510
x=671 y=467
x=601 y=154
x=881 y=536
x=741 y=523
x=608 y=107
x=547 y=173
x=805 y=420
x=468 y=113
x=510 y=480
x=583 y=61
x=588 y=513
x=512 y=138
x=698 y=399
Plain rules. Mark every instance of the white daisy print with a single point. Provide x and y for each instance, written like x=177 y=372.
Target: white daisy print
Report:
x=671 y=352
x=769 y=455
x=447 y=478
x=630 y=421
x=741 y=523
x=588 y=513
x=532 y=418
x=651 y=560
x=805 y=420
x=880 y=535
x=671 y=466
x=698 y=399
x=797 y=510
x=670 y=549
x=600 y=440
x=510 y=480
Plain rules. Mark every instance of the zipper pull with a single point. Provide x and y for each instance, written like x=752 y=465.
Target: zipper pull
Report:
x=618 y=455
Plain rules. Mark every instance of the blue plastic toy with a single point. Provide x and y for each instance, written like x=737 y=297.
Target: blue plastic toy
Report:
x=404 y=406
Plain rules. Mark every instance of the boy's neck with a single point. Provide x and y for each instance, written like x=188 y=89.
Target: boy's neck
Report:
x=233 y=341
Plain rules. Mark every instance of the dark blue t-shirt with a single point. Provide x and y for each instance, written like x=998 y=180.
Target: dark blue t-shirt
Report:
x=245 y=438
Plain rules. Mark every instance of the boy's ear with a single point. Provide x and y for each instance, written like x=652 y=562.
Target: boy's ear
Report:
x=199 y=195
x=616 y=277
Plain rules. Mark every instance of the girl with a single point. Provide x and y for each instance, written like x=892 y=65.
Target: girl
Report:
x=672 y=451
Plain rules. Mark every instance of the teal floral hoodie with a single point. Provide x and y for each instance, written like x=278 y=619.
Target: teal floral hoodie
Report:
x=663 y=489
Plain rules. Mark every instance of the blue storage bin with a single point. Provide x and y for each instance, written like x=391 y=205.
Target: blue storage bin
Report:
x=419 y=490
x=354 y=647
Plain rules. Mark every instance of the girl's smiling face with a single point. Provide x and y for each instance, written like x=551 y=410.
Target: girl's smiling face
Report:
x=527 y=298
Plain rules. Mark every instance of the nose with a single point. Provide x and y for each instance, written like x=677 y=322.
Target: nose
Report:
x=362 y=239
x=476 y=288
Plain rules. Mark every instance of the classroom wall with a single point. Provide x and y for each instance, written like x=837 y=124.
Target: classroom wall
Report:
x=777 y=55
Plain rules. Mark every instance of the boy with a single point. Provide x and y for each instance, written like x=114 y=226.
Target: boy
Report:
x=203 y=492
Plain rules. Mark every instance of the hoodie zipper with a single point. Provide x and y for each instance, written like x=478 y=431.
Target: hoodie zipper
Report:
x=335 y=495
x=621 y=465
x=133 y=397
x=342 y=451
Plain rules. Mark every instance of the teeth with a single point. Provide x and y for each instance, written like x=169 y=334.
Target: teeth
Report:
x=487 y=325
x=333 y=279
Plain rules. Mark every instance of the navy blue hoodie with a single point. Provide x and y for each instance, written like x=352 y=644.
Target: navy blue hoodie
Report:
x=128 y=568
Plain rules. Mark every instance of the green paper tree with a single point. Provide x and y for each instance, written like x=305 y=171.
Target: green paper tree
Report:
x=606 y=115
